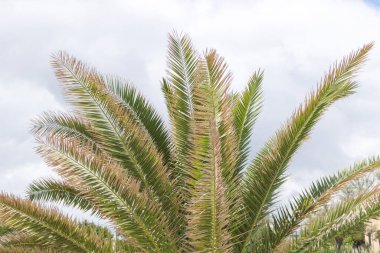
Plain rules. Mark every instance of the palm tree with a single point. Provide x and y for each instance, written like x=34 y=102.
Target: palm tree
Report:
x=187 y=188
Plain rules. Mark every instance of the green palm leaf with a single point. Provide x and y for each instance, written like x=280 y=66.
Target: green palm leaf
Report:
x=182 y=64
x=246 y=110
x=60 y=124
x=114 y=195
x=208 y=205
x=288 y=218
x=48 y=226
x=267 y=171
x=27 y=250
x=22 y=240
x=143 y=112
x=343 y=216
x=116 y=130
x=52 y=190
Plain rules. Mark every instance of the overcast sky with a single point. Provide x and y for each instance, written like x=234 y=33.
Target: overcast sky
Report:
x=295 y=42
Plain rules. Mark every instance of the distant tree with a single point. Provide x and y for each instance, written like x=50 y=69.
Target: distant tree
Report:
x=355 y=237
x=360 y=185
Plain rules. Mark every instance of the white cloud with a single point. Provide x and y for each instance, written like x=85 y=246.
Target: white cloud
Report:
x=294 y=41
x=16 y=178
x=360 y=145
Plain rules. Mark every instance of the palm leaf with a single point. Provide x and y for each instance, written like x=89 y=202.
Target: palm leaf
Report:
x=318 y=195
x=21 y=240
x=58 y=191
x=27 y=250
x=208 y=207
x=246 y=110
x=48 y=225
x=143 y=111
x=267 y=171
x=116 y=130
x=182 y=63
x=114 y=195
x=343 y=216
x=67 y=126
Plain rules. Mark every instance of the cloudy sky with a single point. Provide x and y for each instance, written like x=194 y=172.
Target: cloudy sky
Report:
x=294 y=41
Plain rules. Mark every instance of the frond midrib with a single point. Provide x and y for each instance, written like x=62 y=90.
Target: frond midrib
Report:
x=283 y=162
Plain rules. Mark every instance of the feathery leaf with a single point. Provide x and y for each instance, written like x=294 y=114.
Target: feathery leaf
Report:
x=267 y=171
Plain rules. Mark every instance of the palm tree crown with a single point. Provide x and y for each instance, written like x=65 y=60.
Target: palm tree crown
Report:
x=187 y=188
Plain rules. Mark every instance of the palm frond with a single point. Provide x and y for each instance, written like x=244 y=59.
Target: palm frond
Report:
x=27 y=250
x=21 y=240
x=208 y=206
x=267 y=171
x=343 y=216
x=115 y=195
x=58 y=191
x=169 y=97
x=182 y=64
x=288 y=218
x=47 y=225
x=246 y=110
x=143 y=112
x=60 y=124
x=115 y=129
